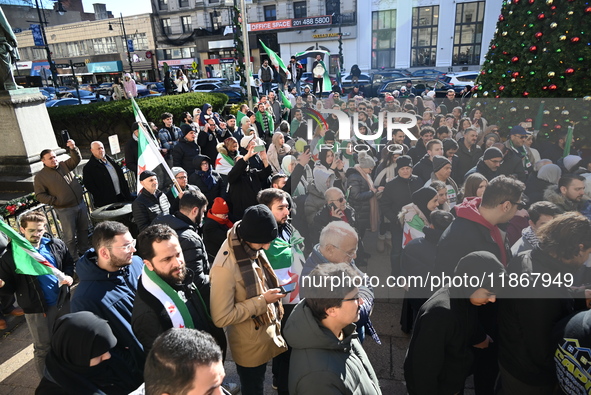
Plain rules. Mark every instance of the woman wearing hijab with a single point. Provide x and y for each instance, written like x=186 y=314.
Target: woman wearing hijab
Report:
x=227 y=153
x=414 y=216
x=288 y=165
x=181 y=82
x=80 y=362
x=547 y=176
x=277 y=151
x=206 y=179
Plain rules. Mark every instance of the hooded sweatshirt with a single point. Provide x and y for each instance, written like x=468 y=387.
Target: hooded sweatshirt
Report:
x=321 y=363
x=469 y=210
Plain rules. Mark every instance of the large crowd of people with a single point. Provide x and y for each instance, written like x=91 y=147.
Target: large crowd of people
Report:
x=269 y=204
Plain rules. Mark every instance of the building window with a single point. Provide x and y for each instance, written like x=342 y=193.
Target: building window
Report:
x=183 y=3
x=104 y=45
x=140 y=42
x=333 y=7
x=166 y=26
x=186 y=24
x=167 y=54
x=163 y=5
x=76 y=48
x=424 y=35
x=468 y=34
x=270 y=13
x=383 y=39
x=299 y=9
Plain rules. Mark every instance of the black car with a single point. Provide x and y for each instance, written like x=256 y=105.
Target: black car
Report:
x=419 y=86
x=379 y=77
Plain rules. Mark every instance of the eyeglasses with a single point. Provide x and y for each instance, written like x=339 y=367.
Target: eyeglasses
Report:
x=353 y=299
x=350 y=255
x=524 y=137
x=451 y=94
x=496 y=161
x=495 y=131
x=127 y=247
x=340 y=200
x=180 y=177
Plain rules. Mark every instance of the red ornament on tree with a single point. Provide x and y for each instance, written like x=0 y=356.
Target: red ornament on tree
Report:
x=515 y=59
x=552 y=87
x=531 y=1
x=588 y=9
x=493 y=47
x=538 y=35
x=574 y=39
x=501 y=18
x=544 y=88
x=541 y=16
x=515 y=74
x=502 y=87
x=557 y=127
x=569 y=71
x=526 y=94
x=533 y=48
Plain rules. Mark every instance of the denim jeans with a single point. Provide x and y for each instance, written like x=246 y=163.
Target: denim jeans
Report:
x=252 y=380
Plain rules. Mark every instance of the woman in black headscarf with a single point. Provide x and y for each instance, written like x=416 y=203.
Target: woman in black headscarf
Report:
x=80 y=362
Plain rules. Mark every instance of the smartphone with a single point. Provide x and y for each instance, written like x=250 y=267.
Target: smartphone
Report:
x=306 y=148
x=333 y=206
x=65 y=137
x=259 y=148
x=287 y=288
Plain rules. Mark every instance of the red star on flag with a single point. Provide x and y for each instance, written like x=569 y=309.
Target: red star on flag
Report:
x=181 y=326
x=407 y=238
x=171 y=308
x=218 y=162
x=141 y=169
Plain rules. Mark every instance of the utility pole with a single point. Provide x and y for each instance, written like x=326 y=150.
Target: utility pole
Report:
x=42 y=23
x=247 y=63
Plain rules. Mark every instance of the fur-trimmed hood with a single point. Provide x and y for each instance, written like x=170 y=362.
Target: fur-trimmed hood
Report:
x=553 y=195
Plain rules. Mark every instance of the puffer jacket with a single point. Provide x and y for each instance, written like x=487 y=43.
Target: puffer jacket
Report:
x=147 y=207
x=321 y=363
x=183 y=154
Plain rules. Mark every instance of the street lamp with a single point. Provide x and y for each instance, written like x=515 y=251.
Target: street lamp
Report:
x=337 y=13
x=122 y=23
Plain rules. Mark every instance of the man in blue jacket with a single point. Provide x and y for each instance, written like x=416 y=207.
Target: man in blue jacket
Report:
x=108 y=283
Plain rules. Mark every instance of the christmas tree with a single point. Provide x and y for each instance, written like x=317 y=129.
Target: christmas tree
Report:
x=541 y=49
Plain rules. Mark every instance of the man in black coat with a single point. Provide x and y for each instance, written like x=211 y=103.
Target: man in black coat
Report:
x=104 y=179
x=185 y=222
x=489 y=164
x=424 y=168
x=440 y=355
x=529 y=314
x=420 y=149
x=468 y=153
x=476 y=229
x=157 y=305
x=186 y=149
x=131 y=149
x=397 y=194
x=208 y=140
x=150 y=202
x=246 y=182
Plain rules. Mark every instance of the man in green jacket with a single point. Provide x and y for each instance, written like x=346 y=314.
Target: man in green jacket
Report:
x=327 y=356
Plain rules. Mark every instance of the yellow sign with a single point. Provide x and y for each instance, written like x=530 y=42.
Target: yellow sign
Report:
x=325 y=35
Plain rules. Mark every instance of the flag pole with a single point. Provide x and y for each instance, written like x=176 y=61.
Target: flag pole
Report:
x=247 y=63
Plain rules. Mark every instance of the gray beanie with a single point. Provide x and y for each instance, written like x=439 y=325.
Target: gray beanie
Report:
x=366 y=161
x=438 y=162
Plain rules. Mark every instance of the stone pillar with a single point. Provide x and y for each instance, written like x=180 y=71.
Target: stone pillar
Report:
x=25 y=131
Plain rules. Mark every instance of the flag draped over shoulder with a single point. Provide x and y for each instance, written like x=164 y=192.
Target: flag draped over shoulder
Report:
x=326 y=84
x=27 y=259
x=277 y=62
x=149 y=157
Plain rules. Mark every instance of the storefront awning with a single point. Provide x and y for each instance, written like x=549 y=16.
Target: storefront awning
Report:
x=105 y=67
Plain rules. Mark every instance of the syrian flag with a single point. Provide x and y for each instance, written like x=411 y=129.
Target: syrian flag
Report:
x=326 y=84
x=149 y=157
x=277 y=62
x=27 y=259
x=284 y=100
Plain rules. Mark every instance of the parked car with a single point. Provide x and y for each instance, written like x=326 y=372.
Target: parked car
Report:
x=144 y=91
x=379 y=77
x=85 y=95
x=48 y=96
x=347 y=82
x=52 y=89
x=64 y=102
x=223 y=81
x=419 y=86
x=88 y=87
x=105 y=89
x=461 y=79
x=155 y=86
x=206 y=87
x=234 y=94
x=428 y=73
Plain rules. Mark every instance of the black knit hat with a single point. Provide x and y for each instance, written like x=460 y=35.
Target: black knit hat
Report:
x=491 y=153
x=258 y=225
x=147 y=174
x=403 y=161
x=438 y=162
x=186 y=129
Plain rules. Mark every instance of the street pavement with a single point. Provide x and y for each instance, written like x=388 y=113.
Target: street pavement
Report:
x=19 y=377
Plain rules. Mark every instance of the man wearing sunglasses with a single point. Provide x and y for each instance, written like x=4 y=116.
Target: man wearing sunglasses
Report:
x=518 y=160
x=476 y=228
x=109 y=275
x=335 y=209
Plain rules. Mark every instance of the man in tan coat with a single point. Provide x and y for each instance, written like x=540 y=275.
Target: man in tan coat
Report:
x=56 y=185
x=245 y=297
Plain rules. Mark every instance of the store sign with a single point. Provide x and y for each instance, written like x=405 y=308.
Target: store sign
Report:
x=312 y=21
x=269 y=25
x=325 y=35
